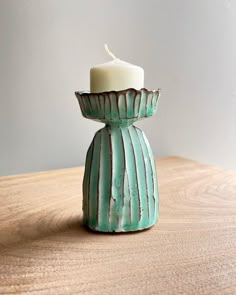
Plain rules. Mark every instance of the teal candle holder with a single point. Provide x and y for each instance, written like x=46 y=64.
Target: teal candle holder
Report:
x=120 y=184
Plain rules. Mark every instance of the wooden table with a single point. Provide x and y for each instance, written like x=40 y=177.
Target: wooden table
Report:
x=44 y=249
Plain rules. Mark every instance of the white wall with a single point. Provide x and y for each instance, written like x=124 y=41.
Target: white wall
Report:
x=187 y=47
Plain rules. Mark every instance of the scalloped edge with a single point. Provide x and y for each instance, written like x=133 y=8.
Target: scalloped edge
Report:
x=87 y=93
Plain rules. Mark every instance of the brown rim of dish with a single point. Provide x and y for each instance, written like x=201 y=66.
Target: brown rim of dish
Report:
x=124 y=91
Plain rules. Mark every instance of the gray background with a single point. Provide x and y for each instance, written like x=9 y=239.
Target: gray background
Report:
x=186 y=47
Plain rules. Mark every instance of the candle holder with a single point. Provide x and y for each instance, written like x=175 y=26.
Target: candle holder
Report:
x=120 y=185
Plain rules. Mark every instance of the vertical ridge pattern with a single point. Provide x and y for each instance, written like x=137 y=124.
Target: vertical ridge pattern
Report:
x=154 y=175
x=86 y=182
x=120 y=191
x=151 y=178
x=118 y=172
x=144 y=170
x=116 y=107
x=120 y=185
x=104 y=182
x=126 y=197
x=93 y=180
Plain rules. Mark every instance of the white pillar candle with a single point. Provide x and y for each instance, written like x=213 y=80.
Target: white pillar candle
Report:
x=115 y=75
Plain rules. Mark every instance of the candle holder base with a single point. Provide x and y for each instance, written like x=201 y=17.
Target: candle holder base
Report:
x=120 y=185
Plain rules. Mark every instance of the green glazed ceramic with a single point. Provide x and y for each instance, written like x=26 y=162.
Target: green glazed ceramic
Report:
x=120 y=183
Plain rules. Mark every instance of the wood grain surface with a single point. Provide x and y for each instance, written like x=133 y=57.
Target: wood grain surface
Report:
x=44 y=249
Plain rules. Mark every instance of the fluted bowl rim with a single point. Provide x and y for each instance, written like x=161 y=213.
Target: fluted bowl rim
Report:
x=123 y=91
x=112 y=107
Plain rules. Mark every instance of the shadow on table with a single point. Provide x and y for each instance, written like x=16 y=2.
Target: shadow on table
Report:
x=36 y=227
x=50 y=226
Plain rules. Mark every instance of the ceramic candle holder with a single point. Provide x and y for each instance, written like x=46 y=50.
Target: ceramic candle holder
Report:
x=120 y=183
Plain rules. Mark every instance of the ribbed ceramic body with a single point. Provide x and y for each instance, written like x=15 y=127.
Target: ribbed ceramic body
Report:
x=120 y=184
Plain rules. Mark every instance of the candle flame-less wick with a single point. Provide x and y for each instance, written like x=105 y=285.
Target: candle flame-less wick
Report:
x=109 y=52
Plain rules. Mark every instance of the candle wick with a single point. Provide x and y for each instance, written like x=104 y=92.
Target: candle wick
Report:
x=109 y=52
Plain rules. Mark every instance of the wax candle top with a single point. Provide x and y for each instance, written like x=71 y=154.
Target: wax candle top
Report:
x=115 y=75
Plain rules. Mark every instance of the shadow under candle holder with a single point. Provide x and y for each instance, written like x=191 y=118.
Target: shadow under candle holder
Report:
x=120 y=191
